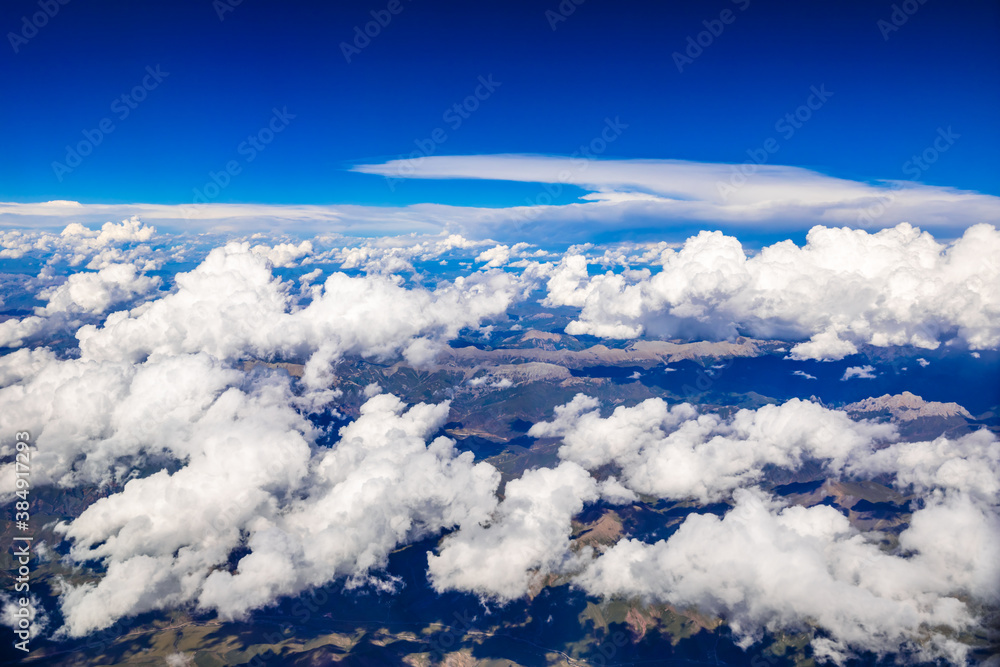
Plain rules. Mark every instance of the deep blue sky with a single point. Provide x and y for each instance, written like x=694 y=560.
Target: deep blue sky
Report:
x=609 y=58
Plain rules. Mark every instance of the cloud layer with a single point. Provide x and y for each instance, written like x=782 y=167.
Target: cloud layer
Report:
x=631 y=194
x=763 y=566
x=222 y=495
x=843 y=288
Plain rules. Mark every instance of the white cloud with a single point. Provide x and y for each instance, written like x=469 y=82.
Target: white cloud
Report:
x=970 y=464
x=803 y=374
x=865 y=372
x=97 y=292
x=158 y=388
x=13 y=617
x=642 y=193
x=381 y=486
x=284 y=254
x=16 y=331
x=232 y=306
x=525 y=540
x=311 y=515
x=674 y=452
x=842 y=289
x=763 y=567
x=495 y=257
x=692 y=191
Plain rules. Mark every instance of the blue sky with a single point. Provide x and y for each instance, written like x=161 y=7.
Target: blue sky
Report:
x=940 y=69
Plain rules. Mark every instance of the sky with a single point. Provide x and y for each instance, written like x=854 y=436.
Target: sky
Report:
x=556 y=73
x=805 y=191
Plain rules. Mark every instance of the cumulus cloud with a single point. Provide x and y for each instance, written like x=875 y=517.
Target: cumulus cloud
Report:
x=157 y=387
x=843 y=288
x=768 y=568
x=116 y=255
x=252 y=478
x=96 y=292
x=865 y=372
x=381 y=486
x=16 y=331
x=284 y=254
x=13 y=617
x=765 y=567
x=249 y=501
x=81 y=294
x=232 y=306
x=674 y=452
x=395 y=254
x=495 y=257
x=969 y=464
x=501 y=255
x=527 y=539
x=762 y=566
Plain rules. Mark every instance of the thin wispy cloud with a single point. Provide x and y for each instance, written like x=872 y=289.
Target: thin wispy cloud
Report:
x=619 y=194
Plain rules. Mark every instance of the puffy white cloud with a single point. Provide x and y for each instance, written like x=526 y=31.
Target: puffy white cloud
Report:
x=970 y=464
x=88 y=417
x=527 y=538
x=396 y=254
x=379 y=487
x=13 y=617
x=284 y=254
x=240 y=468
x=500 y=255
x=825 y=345
x=127 y=242
x=131 y=230
x=673 y=452
x=96 y=292
x=117 y=256
x=766 y=568
x=23 y=363
x=956 y=541
x=232 y=306
x=252 y=478
x=865 y=372
x=15 y=331
x=842 y=288
x=763 y=567
x=162 y=534
x=495 y=257
x=81 y=294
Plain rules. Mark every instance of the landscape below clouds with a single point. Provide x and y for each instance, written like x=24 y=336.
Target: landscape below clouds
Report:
x=433 y=446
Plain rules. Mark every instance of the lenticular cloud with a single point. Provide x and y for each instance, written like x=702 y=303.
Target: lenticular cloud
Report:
x=842 y=289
